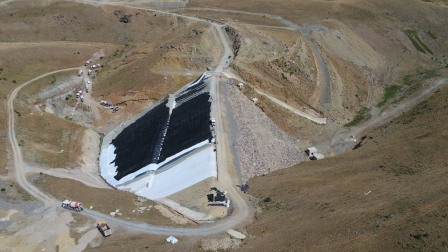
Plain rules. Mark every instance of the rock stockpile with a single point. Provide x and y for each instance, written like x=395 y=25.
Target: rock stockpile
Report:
x=235 y=38
x=262 y=146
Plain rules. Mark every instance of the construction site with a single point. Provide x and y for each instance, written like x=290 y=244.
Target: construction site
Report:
x=212 y=126
x=168 y=149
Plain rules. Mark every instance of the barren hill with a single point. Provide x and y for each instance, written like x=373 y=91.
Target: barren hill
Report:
x=389 y=194
x=294 y=65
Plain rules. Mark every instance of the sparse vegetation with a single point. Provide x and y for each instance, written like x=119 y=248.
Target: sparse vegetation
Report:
x=419 y=75
x=418 y=44
x=389 y=92
x=340 y=217
x=432 y=35
x=420 y=235
x=407 y=80
x=361 y=116
x=53 y=79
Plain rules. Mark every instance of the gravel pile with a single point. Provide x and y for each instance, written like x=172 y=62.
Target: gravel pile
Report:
x=262 y=146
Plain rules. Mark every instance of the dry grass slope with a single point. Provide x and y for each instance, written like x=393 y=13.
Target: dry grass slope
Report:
x=390 y=194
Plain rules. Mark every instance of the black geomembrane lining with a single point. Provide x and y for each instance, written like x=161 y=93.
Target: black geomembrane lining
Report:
x=189 y=125
x=142 y=142
x=191 y=90
x=137 y=145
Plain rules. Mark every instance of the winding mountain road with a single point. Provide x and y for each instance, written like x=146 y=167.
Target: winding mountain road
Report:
x=341 y=141
x=240 y=207
x=20 y=168
x=323 y=78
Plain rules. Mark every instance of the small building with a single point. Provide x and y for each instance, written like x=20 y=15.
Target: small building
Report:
x=313 y=154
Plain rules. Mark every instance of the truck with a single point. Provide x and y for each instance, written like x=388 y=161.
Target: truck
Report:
x=104 y=228
x=72 y=205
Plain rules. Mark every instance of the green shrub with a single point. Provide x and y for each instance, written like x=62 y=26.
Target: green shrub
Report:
x=418 y=44
x=389 y=92
x=361 y=116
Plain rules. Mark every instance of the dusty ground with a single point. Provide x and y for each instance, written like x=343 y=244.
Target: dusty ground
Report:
x=389 y=194
x=130 y=206
x=224 y=17
x=364 y=52
x=338 y=203
x=23 y=61
x=195 y=198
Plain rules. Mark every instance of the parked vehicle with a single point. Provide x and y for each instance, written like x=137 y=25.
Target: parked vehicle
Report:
x=104 y=228
x=72 y=205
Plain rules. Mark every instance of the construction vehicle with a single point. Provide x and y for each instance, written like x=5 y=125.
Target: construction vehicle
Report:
x=104 y=228
x=72 y=205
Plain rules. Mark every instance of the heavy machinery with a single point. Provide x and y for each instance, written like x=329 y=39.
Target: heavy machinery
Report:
x=72 y=205
x=104 y=228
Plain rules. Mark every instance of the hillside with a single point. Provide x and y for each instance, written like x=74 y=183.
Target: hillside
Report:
x=365 y=47
x=389 y=194
x=285 y=76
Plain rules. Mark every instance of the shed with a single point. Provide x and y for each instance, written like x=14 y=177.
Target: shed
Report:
x=311 y=151
x=313 y=154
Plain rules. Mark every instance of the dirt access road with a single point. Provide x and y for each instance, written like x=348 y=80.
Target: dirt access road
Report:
x=20 y=168
x=52 y=204
x=342 y=140
x=302 y=113
x=241 y=208
x=323 y=76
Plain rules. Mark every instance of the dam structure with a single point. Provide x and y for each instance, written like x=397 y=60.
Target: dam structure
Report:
x=167 y=148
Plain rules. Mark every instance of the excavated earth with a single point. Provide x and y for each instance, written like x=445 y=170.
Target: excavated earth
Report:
x=335 y=59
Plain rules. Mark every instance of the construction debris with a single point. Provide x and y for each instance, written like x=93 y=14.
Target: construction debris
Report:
x=236 y=234
x=116 y=213
x=235 y=38
x=172 y=239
